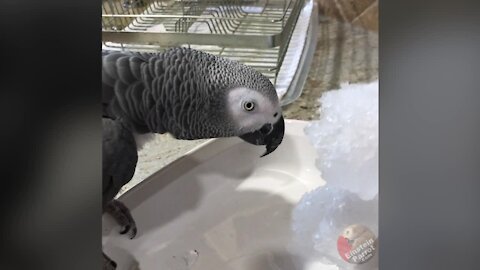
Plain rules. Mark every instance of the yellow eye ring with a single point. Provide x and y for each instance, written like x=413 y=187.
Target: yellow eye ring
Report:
x=249 y=106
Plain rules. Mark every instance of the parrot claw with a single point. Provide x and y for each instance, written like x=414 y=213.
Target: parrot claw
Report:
x=108 y=264
x=122 y=215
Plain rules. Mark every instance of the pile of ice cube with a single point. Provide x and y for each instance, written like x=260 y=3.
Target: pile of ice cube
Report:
x=346 y=141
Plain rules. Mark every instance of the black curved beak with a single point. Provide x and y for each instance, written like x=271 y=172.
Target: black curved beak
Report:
x=269 y=135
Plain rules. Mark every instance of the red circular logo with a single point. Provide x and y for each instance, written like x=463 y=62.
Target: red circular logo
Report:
x=357 y=244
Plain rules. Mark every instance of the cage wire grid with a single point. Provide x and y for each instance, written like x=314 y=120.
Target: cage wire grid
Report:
x=254 y=32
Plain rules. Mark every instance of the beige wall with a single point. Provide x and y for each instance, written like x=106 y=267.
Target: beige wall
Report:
x=359 y=12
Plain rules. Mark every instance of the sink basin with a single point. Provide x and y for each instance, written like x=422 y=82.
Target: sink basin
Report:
x=220 y=206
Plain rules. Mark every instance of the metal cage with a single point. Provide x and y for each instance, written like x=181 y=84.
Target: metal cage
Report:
x=254 y=32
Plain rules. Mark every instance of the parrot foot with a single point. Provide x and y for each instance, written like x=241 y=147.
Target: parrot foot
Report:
x=108 y=264
x=122 y=215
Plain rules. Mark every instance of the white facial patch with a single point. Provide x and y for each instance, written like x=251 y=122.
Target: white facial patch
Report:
x=264 y=110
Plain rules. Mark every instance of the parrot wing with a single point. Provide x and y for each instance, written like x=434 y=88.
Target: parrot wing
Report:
x=126 y=72
x=119 y=158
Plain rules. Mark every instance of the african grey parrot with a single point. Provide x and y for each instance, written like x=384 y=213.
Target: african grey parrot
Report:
x=187 y=93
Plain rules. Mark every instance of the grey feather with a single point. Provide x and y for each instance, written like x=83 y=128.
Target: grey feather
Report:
x=181 y=91
x=119 y=157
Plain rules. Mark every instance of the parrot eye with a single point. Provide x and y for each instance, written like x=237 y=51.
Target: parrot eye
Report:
x=249 y=105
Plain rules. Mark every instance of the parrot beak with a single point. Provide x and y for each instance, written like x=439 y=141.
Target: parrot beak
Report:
x=269 y=135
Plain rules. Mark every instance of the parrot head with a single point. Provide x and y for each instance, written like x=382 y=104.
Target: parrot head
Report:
x=354 y=231
x=256 y=116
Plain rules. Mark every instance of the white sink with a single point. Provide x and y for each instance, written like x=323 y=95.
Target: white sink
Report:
x=219 y=207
